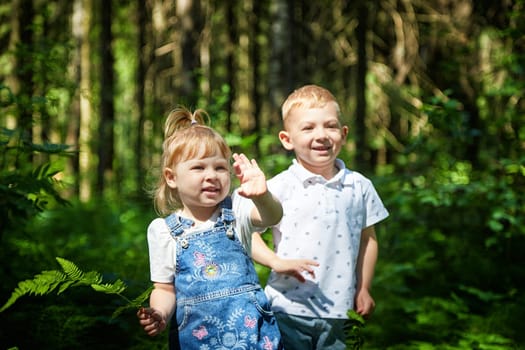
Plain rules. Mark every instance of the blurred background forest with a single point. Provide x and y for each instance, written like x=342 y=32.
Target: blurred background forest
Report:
x=433 y=92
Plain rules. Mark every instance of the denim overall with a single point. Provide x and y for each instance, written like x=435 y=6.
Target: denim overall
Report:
x=220 y=304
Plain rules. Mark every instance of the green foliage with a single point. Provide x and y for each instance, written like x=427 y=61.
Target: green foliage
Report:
x=28 y=181
x=107 y=236
x=353 y=331
x=450 y=262
x=449 y=274
x=71 y=276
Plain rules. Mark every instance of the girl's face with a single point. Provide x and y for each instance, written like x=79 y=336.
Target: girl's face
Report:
x=201 y=184
x=316 y=136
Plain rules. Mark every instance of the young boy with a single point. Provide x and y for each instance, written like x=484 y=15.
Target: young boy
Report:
x=326 y=238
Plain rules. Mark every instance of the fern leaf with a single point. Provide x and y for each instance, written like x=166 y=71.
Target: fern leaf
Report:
x=77 y=276
x=48 y=281
x=41 y=284
x=138 y=301
x=72 y=276
x=70 y=269
x=91 y=277
x=134 y=304
x=65 y=285
x=110 y=288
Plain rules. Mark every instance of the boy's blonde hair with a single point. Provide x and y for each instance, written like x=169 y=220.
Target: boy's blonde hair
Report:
x=308 y=96
x=185 y=137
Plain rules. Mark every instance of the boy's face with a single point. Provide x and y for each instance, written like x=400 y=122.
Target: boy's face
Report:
x=316 y=136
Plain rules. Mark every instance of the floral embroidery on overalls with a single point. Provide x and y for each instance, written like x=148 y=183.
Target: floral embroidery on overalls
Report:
x=220 y=304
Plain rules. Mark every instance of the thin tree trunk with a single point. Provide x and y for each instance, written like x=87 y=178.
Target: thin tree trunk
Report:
x=24 y=71
x=107 y=108
x=83 y=9
x=142 y=11
x=362 y=157
x=73 y=126
x=256 y=79
x=190 y=17
x=233 y=39
x=280 y=72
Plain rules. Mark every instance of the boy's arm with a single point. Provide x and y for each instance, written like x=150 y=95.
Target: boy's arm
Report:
x=366 y=262
x=267 y=257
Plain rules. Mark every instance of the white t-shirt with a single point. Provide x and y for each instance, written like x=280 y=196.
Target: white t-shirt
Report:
x=322 y=220
x=163 y=247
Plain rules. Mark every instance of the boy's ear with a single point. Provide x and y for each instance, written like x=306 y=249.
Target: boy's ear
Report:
x=344 y=130
x=284 y=137
x=170 y=177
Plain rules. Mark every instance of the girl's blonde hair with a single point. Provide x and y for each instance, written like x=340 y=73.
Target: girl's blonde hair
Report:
x=308 y=96
x=185 y=137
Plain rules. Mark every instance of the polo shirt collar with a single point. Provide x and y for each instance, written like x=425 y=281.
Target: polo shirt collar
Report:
x=308 y=178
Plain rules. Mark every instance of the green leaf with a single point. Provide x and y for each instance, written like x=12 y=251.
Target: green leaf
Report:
x=135 y=303
x=110 y=288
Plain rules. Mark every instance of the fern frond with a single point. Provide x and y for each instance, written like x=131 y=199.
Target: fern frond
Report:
x=134 y=304
x=48 y=281
x=72 y=276
x=65 y=285
x=138 y=301
x=43 y=283
x=76 y=276
x=91 y=277
x=70 y=269
x=110 y=288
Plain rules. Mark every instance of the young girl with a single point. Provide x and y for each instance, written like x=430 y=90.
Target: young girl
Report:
x=200 y=266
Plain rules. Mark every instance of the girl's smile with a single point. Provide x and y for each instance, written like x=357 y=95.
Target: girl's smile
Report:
x=200 y=183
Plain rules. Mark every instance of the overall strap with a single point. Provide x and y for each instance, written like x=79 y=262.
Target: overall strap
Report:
x=227 y=215
x=227 y=218
x=177 y=224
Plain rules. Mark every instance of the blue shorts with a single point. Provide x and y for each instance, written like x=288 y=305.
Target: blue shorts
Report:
x=301 y=333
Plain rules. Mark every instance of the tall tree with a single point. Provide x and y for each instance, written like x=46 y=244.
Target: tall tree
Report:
x=279 y=77
x=107 y=108
x=361 y=156
x=233 y=39
x=83 y=11
x=142 y=13
x=24 y=67
x=256 y=20
x=189 y=22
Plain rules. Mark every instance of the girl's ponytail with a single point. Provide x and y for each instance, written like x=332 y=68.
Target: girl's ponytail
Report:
x=181 y=118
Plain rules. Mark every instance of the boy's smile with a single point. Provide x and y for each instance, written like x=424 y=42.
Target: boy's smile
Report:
x=316 y=136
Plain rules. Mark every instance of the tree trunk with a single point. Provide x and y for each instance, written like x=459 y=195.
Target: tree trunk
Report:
x=24 y=71
x=280 y=81
x=233 y=38
x=362 y=156
x=142 y=15
x=107 y=109
x=257 y=81
x=85 y=165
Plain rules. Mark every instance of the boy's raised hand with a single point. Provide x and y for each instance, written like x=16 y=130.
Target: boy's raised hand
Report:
x=252 y=179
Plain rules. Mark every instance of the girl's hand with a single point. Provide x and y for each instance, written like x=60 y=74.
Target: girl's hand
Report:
x=295 y=267
x=151 y=320
x=253 y=181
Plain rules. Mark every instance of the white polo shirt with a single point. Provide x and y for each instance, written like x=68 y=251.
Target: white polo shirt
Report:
x=323 y=220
